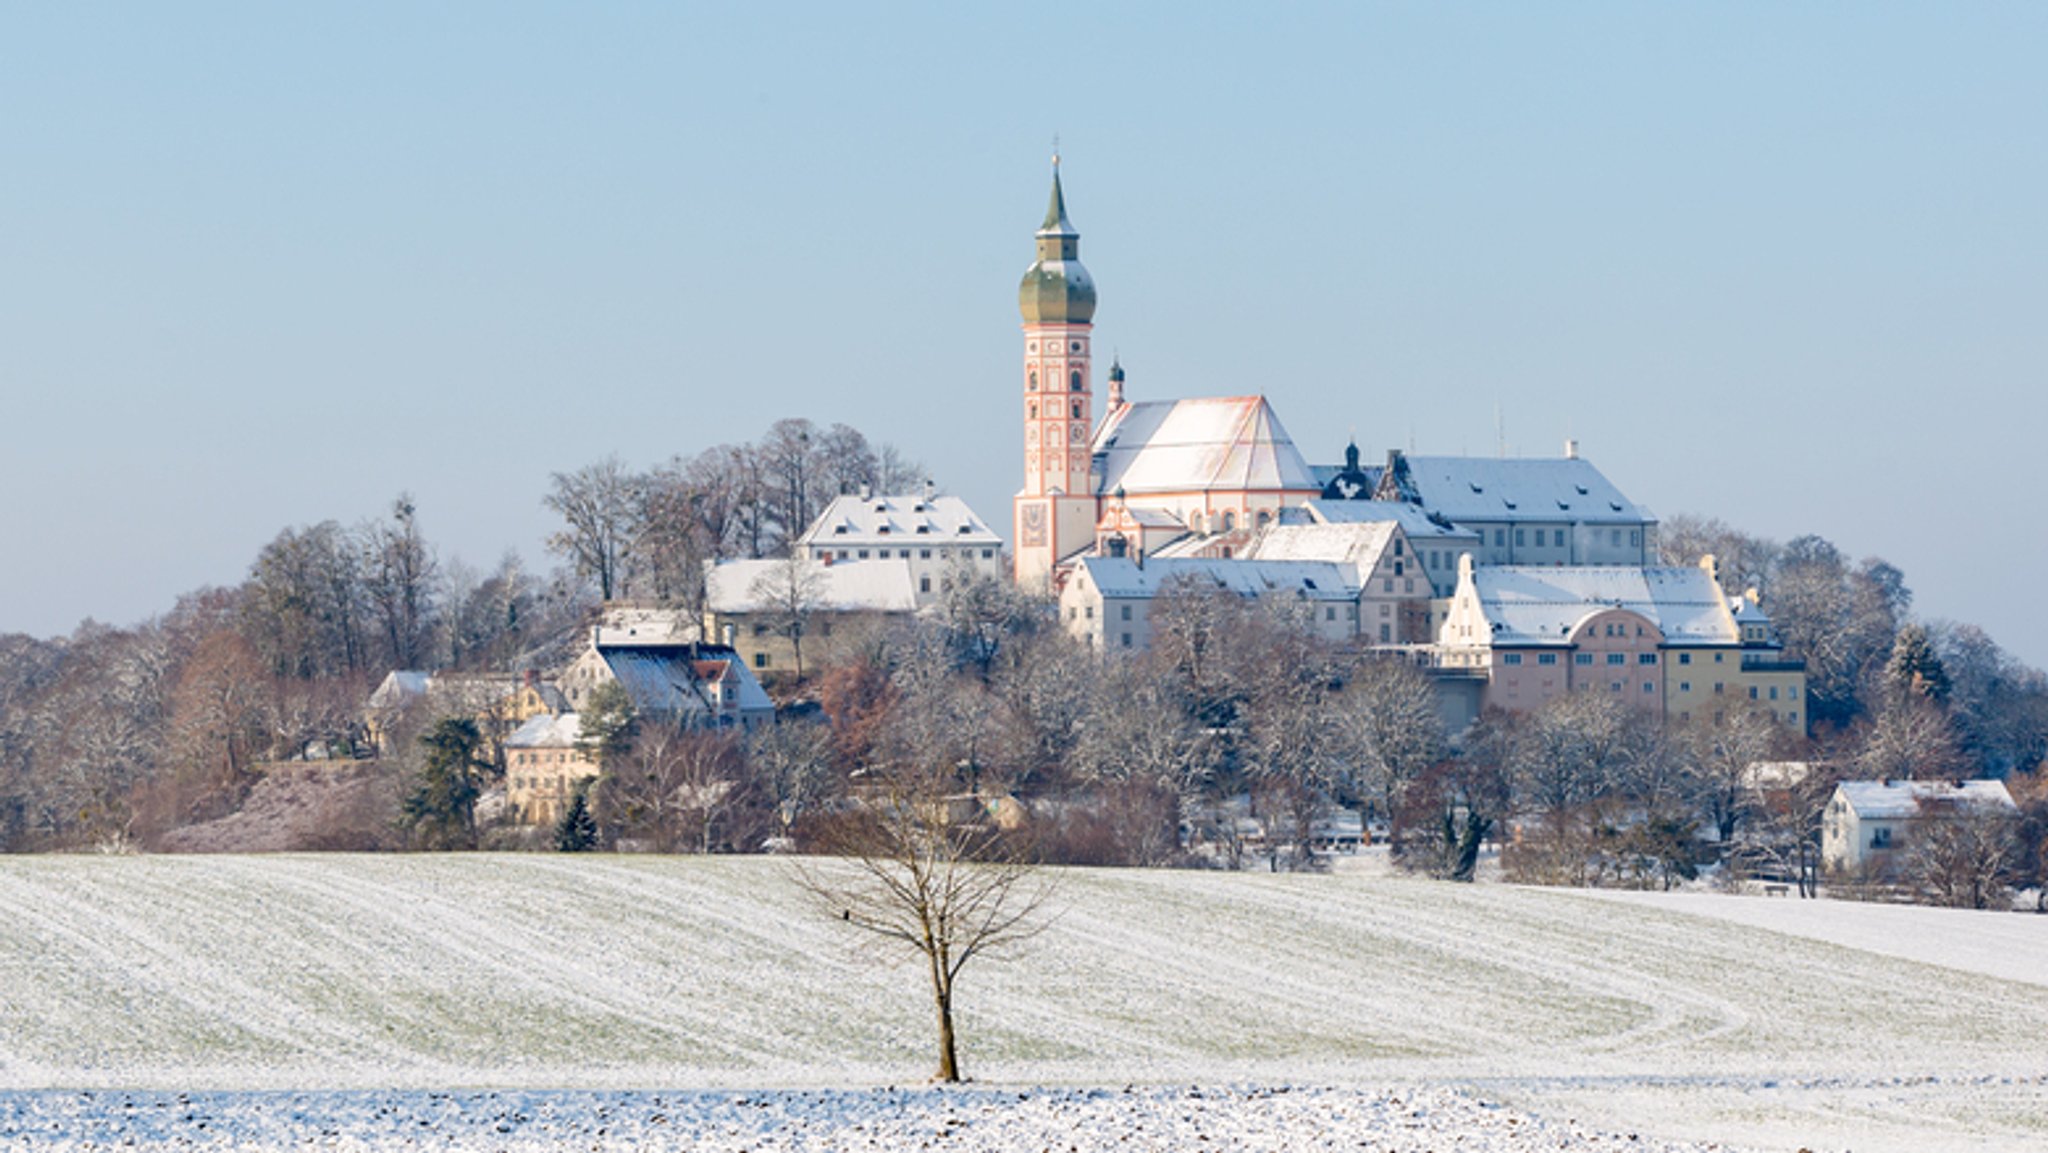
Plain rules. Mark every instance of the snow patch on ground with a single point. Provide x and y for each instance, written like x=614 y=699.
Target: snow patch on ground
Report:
x=2004 y=945
x=971 y=1120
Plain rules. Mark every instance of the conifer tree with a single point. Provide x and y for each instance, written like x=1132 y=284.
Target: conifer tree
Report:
x=576 y=832
x=441 y=811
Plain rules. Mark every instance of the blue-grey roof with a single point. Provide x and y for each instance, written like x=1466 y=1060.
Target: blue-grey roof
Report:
x=663 y=678
x=1481 y=490
x=1416 y=521
x=1315 y=580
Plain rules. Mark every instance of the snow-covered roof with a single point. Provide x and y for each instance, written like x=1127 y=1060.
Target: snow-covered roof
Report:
x=1419 y=523
x=663 y=678
x=1531 y=604
x=546 y=731
x=1207 y=443
x=647 y=624
x=869 y=586
x=856 y=521
x=1903 y=800
x=400 y=686
x=1357 y=545
x=1479 y=489
x=1122 y=577
x=1155 y=518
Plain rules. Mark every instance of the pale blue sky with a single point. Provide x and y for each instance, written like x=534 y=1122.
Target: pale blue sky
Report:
x=269 y=264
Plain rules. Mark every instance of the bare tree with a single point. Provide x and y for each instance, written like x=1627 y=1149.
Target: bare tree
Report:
x=924 y=873
x=1718 y=757
x=401 y=577
x=679 y=789
x=1962 y=859
x=1396 y=731
x=788 y=595
x=599 y=505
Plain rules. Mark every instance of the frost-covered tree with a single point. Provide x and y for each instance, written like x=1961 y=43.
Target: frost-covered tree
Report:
x=600 y=506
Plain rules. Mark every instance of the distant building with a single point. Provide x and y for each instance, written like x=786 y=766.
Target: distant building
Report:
x=934 y=537
x=1664 y=639
x=1111 y=602
x=690 y=685
x=497 y=702
x=543 y=766
x=1868 y=823
x=746 y=604
x=1525 y=510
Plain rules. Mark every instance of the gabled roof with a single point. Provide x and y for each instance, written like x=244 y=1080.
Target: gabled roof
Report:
x=872 y=586
x=1419 y=523
x=896 y=521
x=1479 y=489
x=1904 y=800
x=546 y=731
x=1314 y=580
x=663 y=678
x=1227 y=442
x=1533 y=605
x=1357 y=545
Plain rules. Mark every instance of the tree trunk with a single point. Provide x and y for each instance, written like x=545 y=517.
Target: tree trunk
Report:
x=942 y=997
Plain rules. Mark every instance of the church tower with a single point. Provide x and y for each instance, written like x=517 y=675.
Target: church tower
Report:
x=1056 y=509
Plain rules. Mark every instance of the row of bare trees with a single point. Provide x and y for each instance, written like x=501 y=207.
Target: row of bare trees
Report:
x=647 y=534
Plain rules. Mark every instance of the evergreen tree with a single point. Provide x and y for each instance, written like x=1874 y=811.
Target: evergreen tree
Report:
x=576 y=832
x=607 y=725
x=441 y=811
x=1915 y=670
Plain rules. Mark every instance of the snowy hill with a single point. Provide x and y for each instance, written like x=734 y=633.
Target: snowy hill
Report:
x=1675 y=1018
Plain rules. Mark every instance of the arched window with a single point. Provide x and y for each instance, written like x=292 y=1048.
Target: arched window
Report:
x=1075 y=378
x=1264 y=516
x=1077 y=410
x=1229 y=522
x=1032 y=382
x=1033 y=409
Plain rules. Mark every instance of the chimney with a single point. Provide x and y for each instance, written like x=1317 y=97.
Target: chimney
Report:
x=532 y=676
x=1571 y=449
x=930 y=490
x=867 y=491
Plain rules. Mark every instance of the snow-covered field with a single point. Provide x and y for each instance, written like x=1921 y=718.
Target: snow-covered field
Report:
x=305 y=993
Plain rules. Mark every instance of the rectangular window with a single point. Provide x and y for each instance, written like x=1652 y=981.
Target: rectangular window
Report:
x=1646 y=658
x=1386 y=634
x=1512 y=659
x=1617 y=658
x=1397 y=568
x=1685 y=686
x=1397 y=546
x=988 y=554
x=922 y=554
x=924 y=584
x=1386 y=610
x=1500 y=538
x=1616 y=538
x=863 y=554
x=1546 y=658
x=1752 y=692
x=1649 y=687
x=1124 y=612
x=1774 y=692
x=1718 y=686
x=1407 y=584
x=1518 y=538
x=1089 y=612
x=1330 y=614
x=1635 y=537
x=1127 y=640
x=1685 y=658
x=1387 y=584
x=1582 y=658
x=1717 y=658
x=760 y=660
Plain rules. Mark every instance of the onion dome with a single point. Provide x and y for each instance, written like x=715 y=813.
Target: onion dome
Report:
x=1056 y=289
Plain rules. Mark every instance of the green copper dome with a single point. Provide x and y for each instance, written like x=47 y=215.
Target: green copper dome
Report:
x=1056 y=289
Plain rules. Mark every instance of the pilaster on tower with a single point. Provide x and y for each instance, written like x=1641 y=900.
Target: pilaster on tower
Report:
x=1056 y=508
